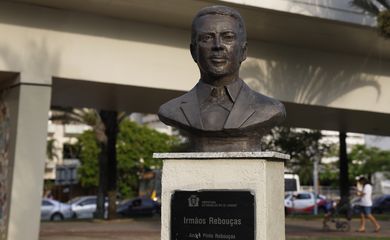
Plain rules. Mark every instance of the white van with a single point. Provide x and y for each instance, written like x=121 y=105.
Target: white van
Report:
x=291 y=183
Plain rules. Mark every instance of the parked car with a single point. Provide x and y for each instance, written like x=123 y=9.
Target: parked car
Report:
x=83 y=207
x=54 y=210
x=140 y=206
x=355 y=205
x=381 y=204
x=303 y=202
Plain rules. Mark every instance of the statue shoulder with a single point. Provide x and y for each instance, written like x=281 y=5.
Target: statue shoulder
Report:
x=170 y=107
x=267 y=110
x=268 y=103
x=170 y=112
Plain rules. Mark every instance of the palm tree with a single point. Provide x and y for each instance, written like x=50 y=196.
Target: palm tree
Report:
x=85 y=116
x=373 y=7
x=105 y=125
x=380 y=9
x=51 y=149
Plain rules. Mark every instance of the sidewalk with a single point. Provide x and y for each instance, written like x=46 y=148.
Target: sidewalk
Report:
x=301 y=228
x=149 y=229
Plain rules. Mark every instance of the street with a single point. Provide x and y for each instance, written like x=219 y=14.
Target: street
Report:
x=129 y=229
x=149 y=229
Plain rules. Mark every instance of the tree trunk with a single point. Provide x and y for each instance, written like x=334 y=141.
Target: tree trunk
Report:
x=110 y=120
x=102 y=189
x=343 y=175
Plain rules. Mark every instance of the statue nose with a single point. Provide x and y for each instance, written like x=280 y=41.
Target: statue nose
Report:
x=217 y=43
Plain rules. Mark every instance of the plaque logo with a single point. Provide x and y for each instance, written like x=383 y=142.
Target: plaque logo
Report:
x=193 y=201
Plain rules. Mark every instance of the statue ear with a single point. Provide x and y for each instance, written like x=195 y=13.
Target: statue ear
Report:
x=193 y=52
x=243 y=51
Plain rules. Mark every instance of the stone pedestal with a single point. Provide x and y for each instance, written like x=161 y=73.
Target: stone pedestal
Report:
x=261 y=173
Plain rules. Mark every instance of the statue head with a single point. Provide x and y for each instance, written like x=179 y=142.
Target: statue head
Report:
x=218 y=43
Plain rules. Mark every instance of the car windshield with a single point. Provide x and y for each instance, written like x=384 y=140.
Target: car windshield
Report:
x=73 y=200
x=321 y=197
x=125 y=201
x=303 y=196
x=46 y=203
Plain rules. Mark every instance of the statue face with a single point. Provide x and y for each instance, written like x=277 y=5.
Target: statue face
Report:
x=219 y=50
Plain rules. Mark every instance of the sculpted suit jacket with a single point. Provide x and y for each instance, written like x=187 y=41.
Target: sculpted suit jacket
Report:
x=250 y=110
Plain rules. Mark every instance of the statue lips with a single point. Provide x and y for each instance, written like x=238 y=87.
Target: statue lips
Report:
x=218 y=59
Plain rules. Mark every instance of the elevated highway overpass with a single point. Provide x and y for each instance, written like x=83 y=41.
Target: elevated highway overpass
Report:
x=325 y=62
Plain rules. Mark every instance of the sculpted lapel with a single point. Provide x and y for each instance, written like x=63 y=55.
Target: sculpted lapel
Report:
x=190 y=109
x=242 y=109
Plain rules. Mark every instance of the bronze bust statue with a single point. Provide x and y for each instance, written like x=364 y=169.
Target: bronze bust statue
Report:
x=221 y=113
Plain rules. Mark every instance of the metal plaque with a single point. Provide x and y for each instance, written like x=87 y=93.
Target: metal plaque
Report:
x=205 y=215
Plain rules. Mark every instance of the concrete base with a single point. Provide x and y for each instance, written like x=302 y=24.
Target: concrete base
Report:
x=259 y=172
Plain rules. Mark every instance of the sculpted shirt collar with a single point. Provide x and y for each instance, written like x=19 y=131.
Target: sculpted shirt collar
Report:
x=204 y=90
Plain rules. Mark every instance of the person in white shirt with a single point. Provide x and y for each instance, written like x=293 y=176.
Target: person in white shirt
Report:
x=365 y=204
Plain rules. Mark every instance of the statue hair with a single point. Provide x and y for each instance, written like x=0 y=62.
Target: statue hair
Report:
x=219 y=10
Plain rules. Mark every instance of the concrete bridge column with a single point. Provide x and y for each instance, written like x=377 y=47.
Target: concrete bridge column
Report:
x=24 y=132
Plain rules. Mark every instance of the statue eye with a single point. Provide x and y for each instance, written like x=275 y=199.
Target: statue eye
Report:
x=206 y=38
x=229 y=37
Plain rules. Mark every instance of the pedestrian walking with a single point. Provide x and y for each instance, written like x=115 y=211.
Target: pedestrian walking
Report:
x=365 y=205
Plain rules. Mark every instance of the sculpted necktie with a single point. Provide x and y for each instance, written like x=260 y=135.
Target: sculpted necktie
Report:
x=216 y=109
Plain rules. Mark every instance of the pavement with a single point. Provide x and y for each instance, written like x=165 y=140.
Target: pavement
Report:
x=298 y=228
x=149 y=229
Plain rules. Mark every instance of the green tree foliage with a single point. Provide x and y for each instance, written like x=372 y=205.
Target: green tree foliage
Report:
x=303 y=145
x=378 y=8
x=368 y=160
x=89 y=154
x=135 y=147
x=362 y=161
x=384 y=23
x=329 y=174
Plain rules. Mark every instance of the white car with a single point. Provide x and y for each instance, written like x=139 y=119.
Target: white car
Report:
x=303 y=202
x=84 y=207
x=54 y=210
